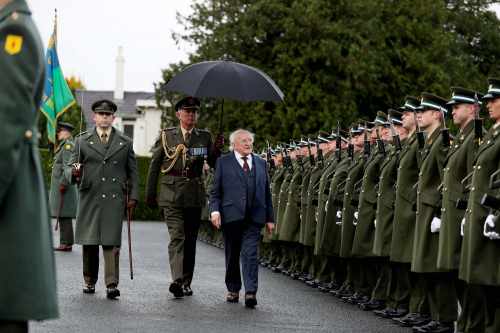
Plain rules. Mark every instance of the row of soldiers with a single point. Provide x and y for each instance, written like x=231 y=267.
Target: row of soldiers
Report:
x=398 y=218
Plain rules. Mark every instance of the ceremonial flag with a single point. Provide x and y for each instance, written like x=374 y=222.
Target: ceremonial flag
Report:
x=57 y=97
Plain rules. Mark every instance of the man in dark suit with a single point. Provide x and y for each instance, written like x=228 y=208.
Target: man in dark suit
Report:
x=240 y=203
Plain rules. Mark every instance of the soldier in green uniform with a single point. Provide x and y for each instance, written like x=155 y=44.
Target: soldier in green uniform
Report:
x=438 y=288
x=28 y=272
x=104 y=167
x=177 y=162
x=349 y=214
x=479 y=261
x=63 y=197
x=384 y=215
x=459 y=163
x=408 y=293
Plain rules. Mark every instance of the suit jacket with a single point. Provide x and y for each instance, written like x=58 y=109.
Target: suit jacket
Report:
x=228 y=194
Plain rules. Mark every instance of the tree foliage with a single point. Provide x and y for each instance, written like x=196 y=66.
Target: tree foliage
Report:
x=339 y=60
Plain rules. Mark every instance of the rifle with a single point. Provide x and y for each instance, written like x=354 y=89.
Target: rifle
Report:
x=419 y=134
x=478 y=123
x=311 y=157
x=493 y=203
x=396 y=140
x=338 y=144
x=366 y=144
x=445 y=132
x=350 y=147
x=380 y=143
x=59 y=209
x=270 y=159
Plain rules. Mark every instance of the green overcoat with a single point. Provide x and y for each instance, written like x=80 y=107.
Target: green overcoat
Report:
x=323 y=192
x=425 y=242
x=479 y=261
x=460 y=161
x=109 y=170
x=27 y=279
x=308 y=168
x=331 y=238
x=385 y=203
x=70 y=198
x=312 y=205
x=289 y=230
x=349 y=205
x=277 y=179
x=362 y=245
x=405 y=204
x=283 y=199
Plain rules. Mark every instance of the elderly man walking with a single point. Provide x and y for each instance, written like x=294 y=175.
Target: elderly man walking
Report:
x=240 y=204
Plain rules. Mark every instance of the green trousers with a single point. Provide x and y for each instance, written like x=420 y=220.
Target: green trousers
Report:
x=322 y=268
x=366 y=279
x=13 y=326
x=306 y=259
x=381 y=289
x=492 y=297
x=66 y=231
x=111 y=256
x=442 y=296
x=398 y=293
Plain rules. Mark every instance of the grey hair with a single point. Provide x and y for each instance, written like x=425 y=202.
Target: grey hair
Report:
x=234 y=134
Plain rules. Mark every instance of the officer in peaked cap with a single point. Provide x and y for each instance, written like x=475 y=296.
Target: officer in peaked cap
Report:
x=178 y=160
x=63 y=197
x=493 y=90
x=104 y=106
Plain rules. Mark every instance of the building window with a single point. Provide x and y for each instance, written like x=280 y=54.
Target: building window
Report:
x=128 y=129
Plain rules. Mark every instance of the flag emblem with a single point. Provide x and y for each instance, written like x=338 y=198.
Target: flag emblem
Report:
x=13 y=44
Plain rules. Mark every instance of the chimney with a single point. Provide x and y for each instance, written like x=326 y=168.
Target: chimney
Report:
x=120 y=65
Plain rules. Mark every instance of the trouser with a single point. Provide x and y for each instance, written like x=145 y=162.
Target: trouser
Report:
x=419 y=298
x=492 y=298
x=306 y=259
x=398 y=293
x=183 y=225
x=442 y=296
x=111 y=256
x=241 y=240
x=286 y=258
x=473 y=308
x=66 y=231
x=337 y=267
x=322 y=268
x=10 y=326
x=365 y=281
x=381 y=290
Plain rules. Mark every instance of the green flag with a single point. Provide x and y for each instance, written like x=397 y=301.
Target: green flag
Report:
x=57 y=97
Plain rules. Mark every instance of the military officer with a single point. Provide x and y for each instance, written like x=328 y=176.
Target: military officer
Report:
x=479 y=264
x=63 y=197
x=28 y=279
x=459 y=162
x=177 y=162
x=439 y=291
x=104 y=166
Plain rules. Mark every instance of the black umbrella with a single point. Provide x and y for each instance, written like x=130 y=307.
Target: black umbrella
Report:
x=225 y=79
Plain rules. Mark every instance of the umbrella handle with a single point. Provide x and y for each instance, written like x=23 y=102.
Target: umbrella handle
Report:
x=221 y=116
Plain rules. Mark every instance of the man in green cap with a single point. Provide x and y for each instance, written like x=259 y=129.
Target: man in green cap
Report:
x=439 y=291
x=479 y=260
x=104 y=167
x=63 y=197
x=28 y=278
x=465 y=106
x=177 y=162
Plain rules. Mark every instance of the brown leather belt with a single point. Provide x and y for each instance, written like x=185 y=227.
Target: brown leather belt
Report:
x=186 y=174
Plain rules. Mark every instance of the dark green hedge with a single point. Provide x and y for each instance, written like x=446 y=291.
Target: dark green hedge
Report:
x=142 y=212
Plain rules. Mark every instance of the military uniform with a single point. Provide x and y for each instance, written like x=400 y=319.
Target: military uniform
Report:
x=177 y=163
x=28 y=270
x=63 y=204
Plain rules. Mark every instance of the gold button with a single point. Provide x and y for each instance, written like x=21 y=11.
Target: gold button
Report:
x=479 y=167
x=103 y=179
x=104 y=195
x=28 y=134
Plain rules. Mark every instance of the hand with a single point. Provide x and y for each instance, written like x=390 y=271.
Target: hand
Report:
x=219 y=141
x=435 y=225
x=76 y=172
x=131 y=204
x=62 y=188
x=215 y=218
x=151 y=202
x=269 y=227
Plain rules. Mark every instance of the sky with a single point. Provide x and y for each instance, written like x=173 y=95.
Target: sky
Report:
x=90 y=31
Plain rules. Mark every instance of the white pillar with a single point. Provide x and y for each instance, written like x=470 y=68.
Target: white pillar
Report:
x=119 y=82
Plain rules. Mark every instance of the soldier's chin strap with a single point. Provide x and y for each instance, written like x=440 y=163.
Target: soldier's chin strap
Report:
x=173 y=154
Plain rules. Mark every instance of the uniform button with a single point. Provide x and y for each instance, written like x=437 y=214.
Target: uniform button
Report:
x=443 y=209
x=114 y=179
x=362 y=191
x=489 y=141
x=103 y=179
x=473 y=188
x=479 y=167
x=28 y=134
x=115 y=162
x=445 y=189
x=104 y=195
x=103 y=162
x=114 y=196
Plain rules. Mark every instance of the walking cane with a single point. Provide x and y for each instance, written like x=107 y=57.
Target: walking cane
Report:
x=129 y=216
x=61 y=203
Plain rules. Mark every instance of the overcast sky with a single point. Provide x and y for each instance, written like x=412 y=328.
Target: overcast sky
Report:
x=90 y=31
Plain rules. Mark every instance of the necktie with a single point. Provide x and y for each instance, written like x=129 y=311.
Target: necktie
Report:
x=246 y=168
x=187 y=137
x=104 y=138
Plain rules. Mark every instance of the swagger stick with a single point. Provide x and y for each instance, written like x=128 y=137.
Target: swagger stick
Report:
x=61 y=204
x=129 y=217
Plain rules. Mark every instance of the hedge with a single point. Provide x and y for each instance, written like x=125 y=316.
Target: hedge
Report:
x=142 y=212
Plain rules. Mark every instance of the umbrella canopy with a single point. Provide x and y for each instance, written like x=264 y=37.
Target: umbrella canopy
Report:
x=226 y=79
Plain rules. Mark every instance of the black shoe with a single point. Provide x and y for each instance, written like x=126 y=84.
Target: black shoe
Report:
x=277 y=269
x=286 y=272
x=295 y=275
x=372 y=305
x=413 y=319
x=313 y=283
x=176 y=289
x=89 y=289
x=343 y=292
x=250 y=301
x=434 y=327
x=112 y=292
x=187 y=291
x=391 y=313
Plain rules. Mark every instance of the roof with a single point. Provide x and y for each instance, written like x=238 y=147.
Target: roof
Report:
x=127 y=107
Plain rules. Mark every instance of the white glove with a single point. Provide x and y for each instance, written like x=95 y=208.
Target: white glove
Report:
x=355 y=221
x=375 y=223
x=435 y=225
x=462 y=225
x=490 y=222
x=326 y=206
x=339 y=217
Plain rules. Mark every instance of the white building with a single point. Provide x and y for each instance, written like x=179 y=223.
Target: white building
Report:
x=138 y=115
